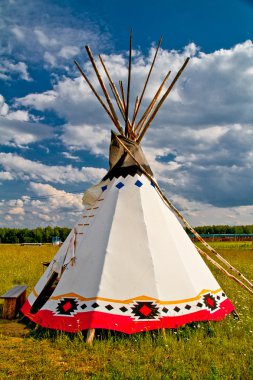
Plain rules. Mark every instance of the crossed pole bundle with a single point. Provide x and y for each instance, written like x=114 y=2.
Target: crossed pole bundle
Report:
x=134 y=130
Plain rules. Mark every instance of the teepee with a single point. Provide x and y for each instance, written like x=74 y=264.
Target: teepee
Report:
x=128 y=264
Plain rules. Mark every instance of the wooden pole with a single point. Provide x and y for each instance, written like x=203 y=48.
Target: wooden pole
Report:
x=118 y=101
x=114 y=91
x=135 y=108
x=132 y=123
x=97 y=96
x=122 y=94
x=90 y=336
x=104 y=89
x=164 y=333
x=127 y=127
x=162 y=100
x=146 y=82
x=151 y=105
x=182 y=218
x=220 y=267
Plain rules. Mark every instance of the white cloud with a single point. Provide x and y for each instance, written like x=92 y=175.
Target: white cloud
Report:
x=15 y=128
x=199 y=145
x=17 y=132
x=70 y=156
x=54 y=39
x=206 y=214
x=50 y=59
x=57 y=199
x=31 y=170
x=6 y=176
x=68 y=52
x=4 y=108
x=44 y=40
x=8 y=218
x=17 y=211
x=18 y=33
x=10 y=70
x=92 y=138
x=207 y=124
x=18 y=115
x=39 y=102
x=54 y=207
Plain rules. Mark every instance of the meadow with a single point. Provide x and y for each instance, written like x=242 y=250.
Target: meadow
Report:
x=221 y=350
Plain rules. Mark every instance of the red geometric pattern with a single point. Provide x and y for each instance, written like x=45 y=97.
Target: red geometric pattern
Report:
x=210 y=301
x=145 y=310
x=96 y=319
x=67 y=306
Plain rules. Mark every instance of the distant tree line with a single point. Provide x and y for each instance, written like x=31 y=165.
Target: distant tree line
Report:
x=37 y=235
x=45 y=235
x=225 y=229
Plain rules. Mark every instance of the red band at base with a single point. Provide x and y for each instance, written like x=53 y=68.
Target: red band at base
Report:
x=100 y=320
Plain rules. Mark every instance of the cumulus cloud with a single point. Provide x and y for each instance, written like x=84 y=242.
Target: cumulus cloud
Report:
x=207 y=94
x=17 y=211
x=6 y=176
x=200 y=143
x=4 y=108
x=70 y=156
x=92 y=138
x=57 y=199
x=54 y=39
x=10 y=70
x=16 y=128
x=52 y=207
x=206 y=214
x=30 y=170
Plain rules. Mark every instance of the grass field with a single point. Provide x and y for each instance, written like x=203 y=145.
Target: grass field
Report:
x=222 y=350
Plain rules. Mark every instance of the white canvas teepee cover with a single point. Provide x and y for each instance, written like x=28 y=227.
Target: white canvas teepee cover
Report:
x=128 y=265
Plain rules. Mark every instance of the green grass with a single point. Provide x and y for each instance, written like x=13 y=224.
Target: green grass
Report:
x=222 y=350
x=240 y=245
x=22 y=264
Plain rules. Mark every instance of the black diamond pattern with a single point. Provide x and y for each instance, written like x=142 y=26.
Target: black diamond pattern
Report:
x=83 y=306
x=218 y=297
x=223 y=294
x=109 y=307
x=188 y=307
x=199 y=304
x=165 y=310
x=95 y=305
x=123 y=309
x=177 y=309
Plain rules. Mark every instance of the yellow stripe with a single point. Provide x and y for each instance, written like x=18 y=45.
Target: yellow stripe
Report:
x=35 y=293
x=139 y=298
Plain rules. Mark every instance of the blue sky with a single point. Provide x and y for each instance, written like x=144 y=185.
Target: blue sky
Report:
x=54 y=136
